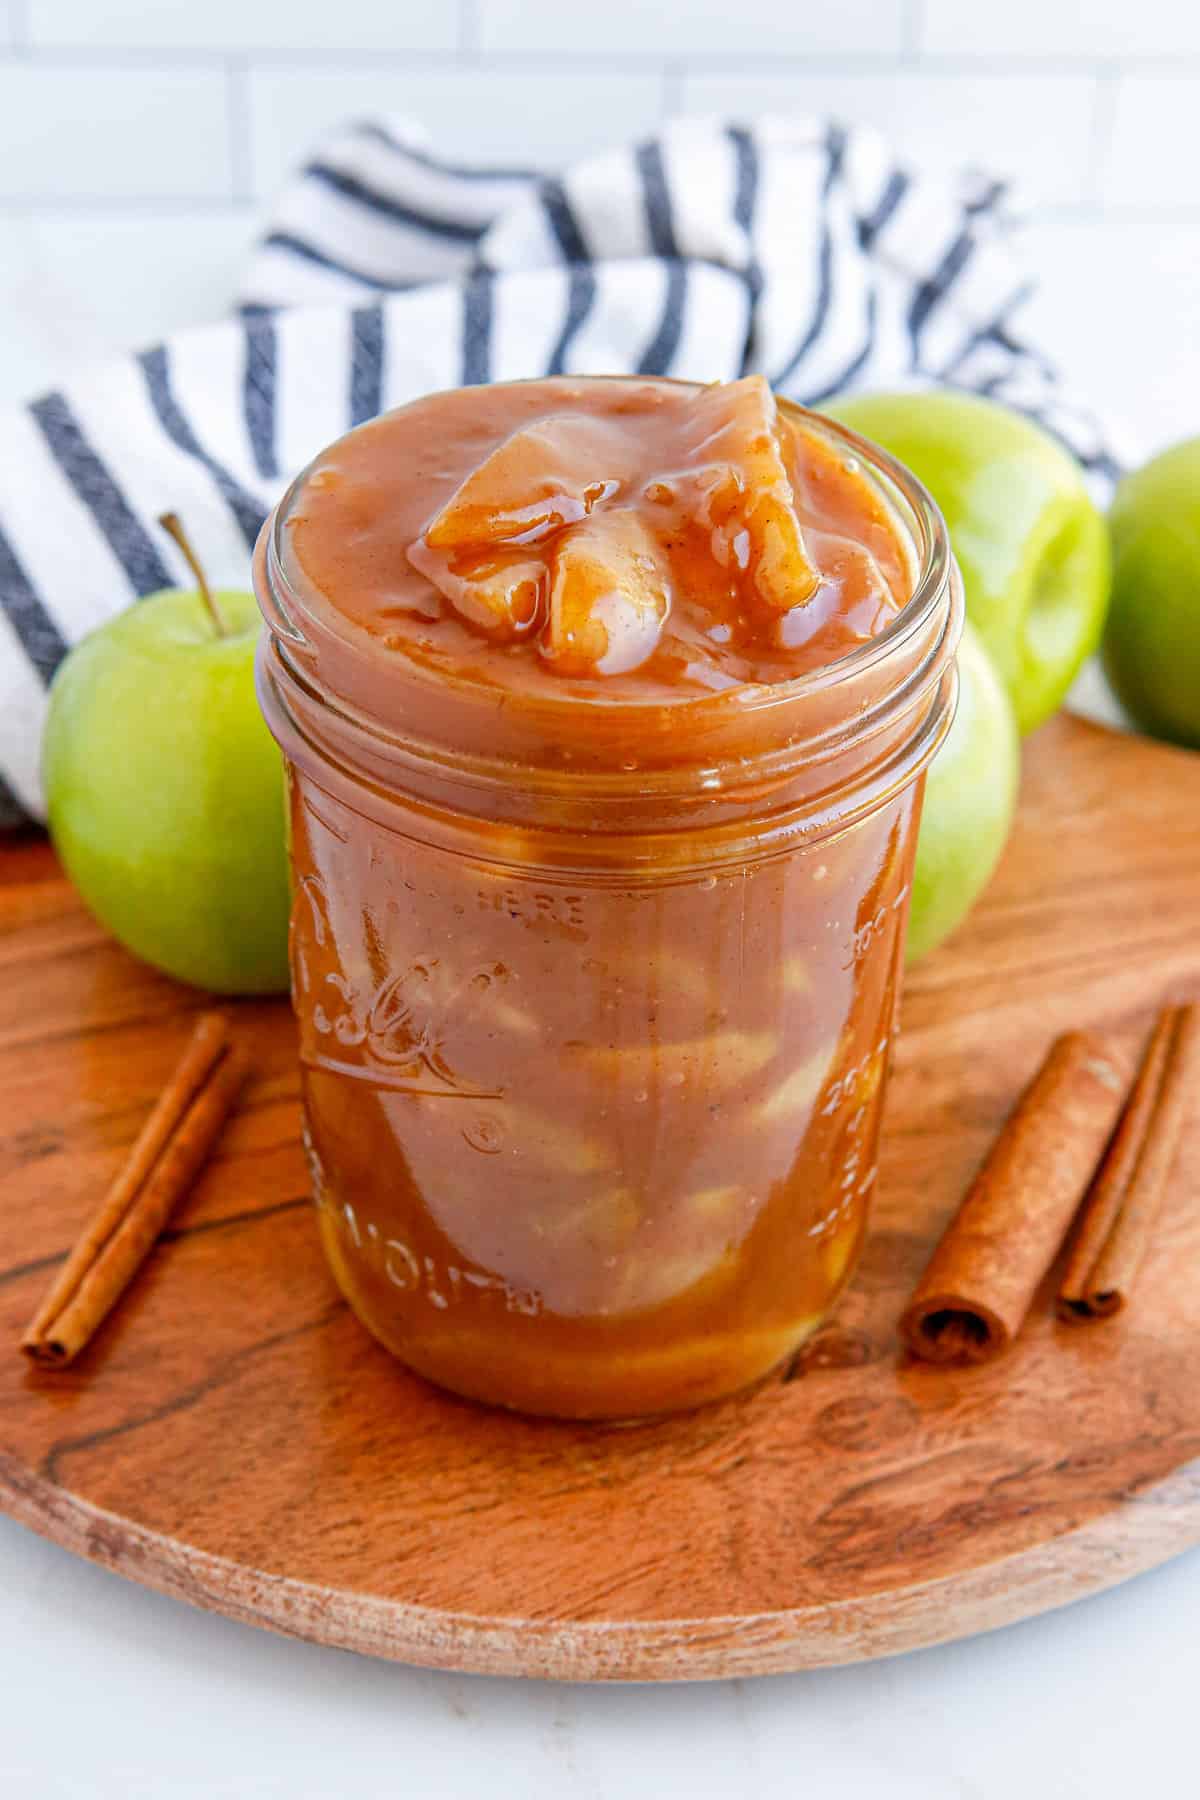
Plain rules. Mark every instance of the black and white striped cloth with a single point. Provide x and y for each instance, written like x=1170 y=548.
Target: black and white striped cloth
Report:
x=793 y=246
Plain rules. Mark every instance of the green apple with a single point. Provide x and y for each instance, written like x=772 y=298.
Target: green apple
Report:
x=1152 y=644
x=970 y=798
x=1032 y=547
x=164 y=790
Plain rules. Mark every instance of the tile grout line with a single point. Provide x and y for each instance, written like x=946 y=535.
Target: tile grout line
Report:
x=1100 y=145
x=64 y=206
x=131 y=206
x=468 y=29
x=241 y=149
x=914 y=30
x=910 y=59
x=671 y=100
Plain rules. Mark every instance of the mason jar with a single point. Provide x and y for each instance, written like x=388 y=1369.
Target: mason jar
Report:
x=594 y=1040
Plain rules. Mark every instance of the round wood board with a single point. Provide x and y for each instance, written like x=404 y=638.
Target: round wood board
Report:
x=234 y=1438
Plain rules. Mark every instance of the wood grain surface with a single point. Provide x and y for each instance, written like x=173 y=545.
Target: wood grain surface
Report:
x=234 y=1437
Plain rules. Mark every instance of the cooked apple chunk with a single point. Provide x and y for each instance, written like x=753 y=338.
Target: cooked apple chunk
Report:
x=719 y=1061
x=503 y=593
x=547 y=475
x=606 y=1222
x=553 y=1143
x=741 y=492
x=570 y=531
x=795 y=1096
x=609 y=596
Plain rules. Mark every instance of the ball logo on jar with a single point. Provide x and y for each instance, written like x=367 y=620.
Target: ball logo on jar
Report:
x=416 y=1030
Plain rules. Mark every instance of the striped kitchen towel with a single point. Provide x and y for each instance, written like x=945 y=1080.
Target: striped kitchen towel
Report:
x=795 y=247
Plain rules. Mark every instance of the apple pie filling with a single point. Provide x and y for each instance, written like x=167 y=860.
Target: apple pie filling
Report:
x=605 y=704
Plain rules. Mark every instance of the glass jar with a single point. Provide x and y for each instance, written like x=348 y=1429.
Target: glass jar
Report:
x=594 y=1043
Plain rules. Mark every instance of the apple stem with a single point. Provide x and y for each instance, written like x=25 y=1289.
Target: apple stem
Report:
x=173 y=528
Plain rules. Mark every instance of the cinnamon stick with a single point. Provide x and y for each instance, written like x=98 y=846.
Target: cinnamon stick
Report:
x=163 y=1162
x=1126 y=1197
x=974 y=1295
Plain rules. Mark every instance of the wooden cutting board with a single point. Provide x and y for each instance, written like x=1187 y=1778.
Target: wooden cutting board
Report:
x=233 y=1437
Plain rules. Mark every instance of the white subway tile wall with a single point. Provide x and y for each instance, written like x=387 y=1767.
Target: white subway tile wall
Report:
x=138 y=137
x=699 y=28
x=1082 y=29
x=75 y=282
x=245 y=25
x=1153 y=157
x=1118 y=302
x=537 y=116
x=70 y=131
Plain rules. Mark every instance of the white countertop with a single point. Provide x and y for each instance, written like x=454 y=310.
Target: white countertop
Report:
x=113 y=1693
x=108 y=1692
